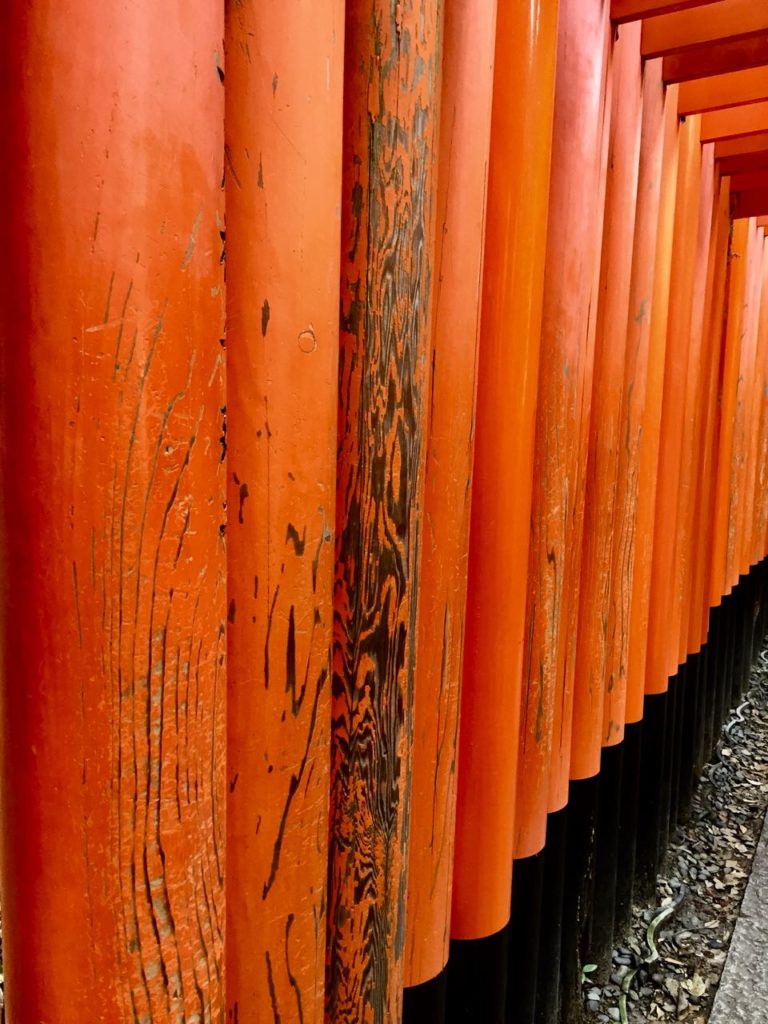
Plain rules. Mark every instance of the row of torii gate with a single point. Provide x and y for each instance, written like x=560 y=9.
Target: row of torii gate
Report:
x=385 y=422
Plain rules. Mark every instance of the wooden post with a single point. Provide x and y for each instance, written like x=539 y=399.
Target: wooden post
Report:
x=690 y=466
x=391 y=92
x=465 y=126
x=662 y=646
x=564 y=377
x=568 y=344
x=518 y=191
x=114 y=605
x=598 y=712
x=713 y=360
x=761 y=478
x=743 y=439
x=721 y=576
x=758 y=398
x=571 y=284
x=641 y=410
x=283 y=152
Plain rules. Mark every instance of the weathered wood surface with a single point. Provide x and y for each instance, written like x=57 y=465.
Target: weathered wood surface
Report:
x=518 y=201
x=736 y=285
x=392 y=83
x=662 y=646
x=638 y=676
x=599 y=696
x=571 y=277
x=641 y=407
x=761 y=478
x=113 y=705
x=465 y=123
x=739 y=486
x=708 y=357
x=752 y=409
x=712 y=359
x=283 y=175
x=691 y=396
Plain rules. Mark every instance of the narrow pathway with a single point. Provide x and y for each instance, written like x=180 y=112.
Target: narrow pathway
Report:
x=743 y=991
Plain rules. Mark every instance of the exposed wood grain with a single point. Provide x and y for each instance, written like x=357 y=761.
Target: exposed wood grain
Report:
x=392 y=79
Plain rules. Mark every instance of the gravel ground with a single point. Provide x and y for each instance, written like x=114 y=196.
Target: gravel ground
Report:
x=701 y=885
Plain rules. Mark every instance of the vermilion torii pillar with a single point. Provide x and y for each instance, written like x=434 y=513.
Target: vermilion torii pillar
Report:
x=113 y=698
x=389 y=156
x=283 y=135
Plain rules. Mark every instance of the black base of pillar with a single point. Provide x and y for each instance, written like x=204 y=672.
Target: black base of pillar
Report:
x=524 y=933
x=578 y=895
x=551 y=937
x=689 y=738
x=669 y=791
x=426 y=1003
x=606 y=857
x=628 y=825
x=477 y=979
x=649 y=809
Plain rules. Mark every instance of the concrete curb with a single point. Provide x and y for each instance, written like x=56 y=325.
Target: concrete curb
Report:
x=743 y=991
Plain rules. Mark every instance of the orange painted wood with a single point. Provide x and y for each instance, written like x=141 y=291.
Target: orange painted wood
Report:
x=760 y=525
x=751 y=119
x=749 y=181
x=642 y=394
x=730 y=20
x=662 y=643
x=599 y=700
x=751 y=441
x=693 y=394
x=761 y=481
x=704 y=503
x=716 y=59
x=649 y=454
x=753 y=203
x=283 y=138
x=112 y=728
x=632 y=10
x=753 y=405
x=571 y=284
x=387 y=210
x=749 y=144
x=720 y=581
x=516 y=231
x=468 y=58
x=741 y=433
x=747 y=163
x=762 y=222
x=733 y=89
x=580 y=741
